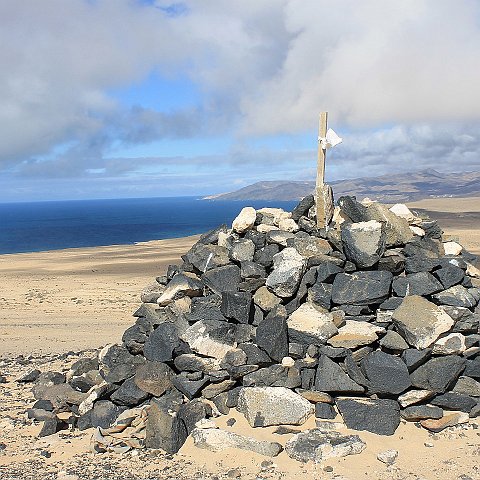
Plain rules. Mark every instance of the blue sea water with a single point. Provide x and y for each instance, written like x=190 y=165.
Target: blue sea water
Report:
x=33 y=227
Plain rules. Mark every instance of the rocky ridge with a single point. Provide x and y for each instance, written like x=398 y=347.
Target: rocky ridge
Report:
x=375 y=318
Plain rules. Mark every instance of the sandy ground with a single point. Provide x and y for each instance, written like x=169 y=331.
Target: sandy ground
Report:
x=72 y=300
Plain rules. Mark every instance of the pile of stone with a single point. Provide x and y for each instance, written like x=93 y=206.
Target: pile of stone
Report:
x=374 y=318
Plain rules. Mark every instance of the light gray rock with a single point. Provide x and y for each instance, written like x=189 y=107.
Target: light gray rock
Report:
x=288 y=267
x=309 y=324
x=393 y=341
x=203 y=338
x=181 y=284
x=311 y=246
x=467 y=386
x=414 y=396
x=420 y=321
x=218 y=440
x=355 y=333
x=265 y=406
x=449 y=345
x=363 y=242
x=317 y=445
x=242 y=250
x=456 y=296
x=244 y=220
x=397 y=229
x=388 y=457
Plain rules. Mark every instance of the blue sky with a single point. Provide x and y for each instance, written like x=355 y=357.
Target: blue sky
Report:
x=132 y=98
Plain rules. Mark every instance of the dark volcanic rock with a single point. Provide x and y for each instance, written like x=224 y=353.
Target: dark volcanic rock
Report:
x=303 y=207
x=454 y=401
x=104 y=413
x=129 y=394
x=117 y=363
x=416 y=413
x=438 y=374
x=188 y=387
x=331 y=378
x=457 y=296
x=272 y=336
x=325 y=410
x=154 y=378
x=237 y=306
x=421 y=283
x=163 y=427
x=386 y=373
x=205 y=307
x=377 y=416
x=450 y=275
x=222 y=279
x=413 y=358
x=361 y=288
x=161 y=343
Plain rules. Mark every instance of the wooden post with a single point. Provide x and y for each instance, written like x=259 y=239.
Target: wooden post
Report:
x=323 y=193
x=322 y=153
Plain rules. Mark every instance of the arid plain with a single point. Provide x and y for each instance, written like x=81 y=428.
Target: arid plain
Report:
x=81 y=299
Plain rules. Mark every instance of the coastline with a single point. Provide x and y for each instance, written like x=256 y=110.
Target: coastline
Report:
x=57 y=301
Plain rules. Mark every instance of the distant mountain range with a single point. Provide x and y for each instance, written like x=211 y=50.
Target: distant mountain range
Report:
x=392 y=188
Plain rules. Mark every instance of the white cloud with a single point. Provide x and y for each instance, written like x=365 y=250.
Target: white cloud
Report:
x=263 y=67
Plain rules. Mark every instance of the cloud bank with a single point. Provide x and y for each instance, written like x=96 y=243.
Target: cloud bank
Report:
x=400 y=80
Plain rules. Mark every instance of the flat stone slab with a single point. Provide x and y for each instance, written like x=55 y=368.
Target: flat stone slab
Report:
x=449 y=420
x=265 y=406
x=361 y=288
x=308 y=324
x=420 y=321
x=380 y=416
x=355 y=334
x=217 y=440
x=317 y=445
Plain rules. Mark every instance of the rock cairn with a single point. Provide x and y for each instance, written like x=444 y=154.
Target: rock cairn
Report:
x=375 y=318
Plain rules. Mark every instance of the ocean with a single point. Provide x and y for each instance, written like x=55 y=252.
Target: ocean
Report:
x=38 y=226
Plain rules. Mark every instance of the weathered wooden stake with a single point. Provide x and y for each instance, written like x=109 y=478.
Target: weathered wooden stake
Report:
x=323 y=194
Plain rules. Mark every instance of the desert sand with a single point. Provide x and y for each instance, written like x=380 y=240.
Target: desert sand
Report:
x=74 y=300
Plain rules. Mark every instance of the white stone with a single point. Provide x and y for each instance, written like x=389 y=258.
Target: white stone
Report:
x=449 y=345
x=277 y=214
x=354 y=334
x=472 y=271
x=338 y=216
x=414 y=396
x=288 y=225
x=401 y=210
x=205 y=423
x=218 y=440
x=262 y=228
x=309 y=324
x=288 y=362
x=244 y=220
x=417 y=231
x=266 y=406
x=199 y=340
x=452 y=248
x=388 y=456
